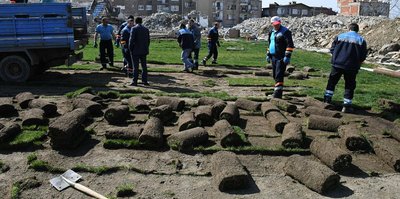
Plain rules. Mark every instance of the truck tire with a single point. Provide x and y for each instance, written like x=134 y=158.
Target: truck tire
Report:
x=14 y=69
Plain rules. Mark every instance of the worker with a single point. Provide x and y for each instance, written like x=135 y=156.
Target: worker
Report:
x=186 y=42
x=125 y=34
x=119 y=35
x=348 y=51
x=106 y=32
x=194 y=28
x=279 y=53
x=213 y=42
x=139 y=43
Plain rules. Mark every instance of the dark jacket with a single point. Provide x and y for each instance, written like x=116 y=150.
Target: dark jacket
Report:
x=348 y=50
x=213 y=36
x=119 y=33
x=283 y=42
x=125 y=34
x=139 y=40
x=197 y=36
x=186 y=39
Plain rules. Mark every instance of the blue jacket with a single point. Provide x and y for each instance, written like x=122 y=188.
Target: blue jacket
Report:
x=197 y=36
x=186 y=39
x=125 y=34
x=348 y=50
x=139 y=40
x=213 y=36
x=280 y=43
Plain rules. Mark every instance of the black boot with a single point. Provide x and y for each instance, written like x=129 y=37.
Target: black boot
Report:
x=327 y=99
x=347 y=108
x=277 y=94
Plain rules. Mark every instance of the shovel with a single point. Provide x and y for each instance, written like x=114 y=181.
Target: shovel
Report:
x=69 y=178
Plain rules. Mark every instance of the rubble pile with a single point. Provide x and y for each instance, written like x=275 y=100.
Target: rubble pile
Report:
x=318 y=32
x=162 y=21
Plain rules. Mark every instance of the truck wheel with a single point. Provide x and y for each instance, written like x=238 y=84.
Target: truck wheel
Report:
x=14 y=69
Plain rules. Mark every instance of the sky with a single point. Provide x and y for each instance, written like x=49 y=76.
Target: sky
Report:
x=325 y=3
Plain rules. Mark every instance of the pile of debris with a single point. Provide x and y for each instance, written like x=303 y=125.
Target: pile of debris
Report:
x=318 y=32
x=162 y=21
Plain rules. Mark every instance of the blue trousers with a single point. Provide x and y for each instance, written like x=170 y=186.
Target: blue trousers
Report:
x=143 y=61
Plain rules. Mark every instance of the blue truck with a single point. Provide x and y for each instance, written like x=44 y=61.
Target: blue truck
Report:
x=37 y=36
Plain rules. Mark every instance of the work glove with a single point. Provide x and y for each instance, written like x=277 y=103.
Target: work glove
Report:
x=95 y=45
x=286 y=60
x=268 y=58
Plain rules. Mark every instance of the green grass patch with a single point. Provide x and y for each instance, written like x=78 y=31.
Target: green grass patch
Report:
x=209 y=83
x=99 y=170
x=16 y=190
x=125 y=190
x=79 y=91
x=40 y=165
x=242 y=134
x=108 y=94
x=164 y=70
x=120 y=143
x=30 y=136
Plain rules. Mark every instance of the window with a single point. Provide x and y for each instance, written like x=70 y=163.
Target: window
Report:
x=230 y=17
x=232 y=7
x=280 y=11
x=149 y=7
x=304 y=12
x=140 y=7
x=174 y=8
x=160 y=7
x=295 y=11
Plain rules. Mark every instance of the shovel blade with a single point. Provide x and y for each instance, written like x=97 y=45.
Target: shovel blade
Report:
x=60 y=184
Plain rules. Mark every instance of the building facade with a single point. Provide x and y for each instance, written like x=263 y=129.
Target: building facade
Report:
x=364 y=7
x=148 y=7
x=295 y=9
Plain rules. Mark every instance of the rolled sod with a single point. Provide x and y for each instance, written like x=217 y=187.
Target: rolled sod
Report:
x=267 y=107
x=117 y=115
x=284 y=105
x=262 y=73
x=175 y=103
x=203 y=115
x=130 y=132
x=277 y=121
x=313 y=110
x=352 y=139
x=68 y=130
x=9 y=132
x=248 y=105
x=164 y=112
x=226 y=135
x=34 y=116
x=227 y=171
x=94 y=108
x=308 y=69
x=138 y=103
x=330 y=154
x=298 y=76
x=231 y=114
x=49 y=108
x=389 y=105
x=24 y=98
x=152 y=134
x=217 y=109
x=7 y=108
x=293 y=135
x=188 y=138
x=290 y=69
x=89 y=96
x=388 y=150
x=186 y=121
x=209 y=101
x=313 y=174
x=318 y=122
x=314 y=102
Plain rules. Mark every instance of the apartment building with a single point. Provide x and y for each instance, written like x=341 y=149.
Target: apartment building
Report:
x=295 y=9
x=229 y=12
x=148 y=7
x=364 y=7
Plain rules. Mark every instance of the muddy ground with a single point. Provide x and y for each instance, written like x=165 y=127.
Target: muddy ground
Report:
x=171 y=174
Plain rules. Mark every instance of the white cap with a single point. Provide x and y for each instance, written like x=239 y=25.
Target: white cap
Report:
x=275 y=20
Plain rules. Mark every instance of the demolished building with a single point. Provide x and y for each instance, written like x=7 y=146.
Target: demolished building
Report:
x=364 y=7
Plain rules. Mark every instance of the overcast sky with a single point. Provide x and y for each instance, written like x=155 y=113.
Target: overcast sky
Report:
x=325 y=3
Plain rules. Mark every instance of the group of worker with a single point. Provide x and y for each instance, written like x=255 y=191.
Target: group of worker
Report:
x=348 y=51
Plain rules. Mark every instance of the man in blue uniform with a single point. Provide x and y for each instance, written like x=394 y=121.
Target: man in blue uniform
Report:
x=348 y=50
x=119 y=36
x=213 y=42
x=280 y=51
x=106 y=32
x=125 y=34
x=194 y=28
x=186 y=42
x=139 y=43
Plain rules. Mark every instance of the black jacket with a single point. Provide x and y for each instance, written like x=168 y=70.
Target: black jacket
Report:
x=139 y=40
x=283 y=42
x=348 y=50
x=186 y=39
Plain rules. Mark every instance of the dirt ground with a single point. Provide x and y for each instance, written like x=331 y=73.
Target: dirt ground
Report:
x=369 y=176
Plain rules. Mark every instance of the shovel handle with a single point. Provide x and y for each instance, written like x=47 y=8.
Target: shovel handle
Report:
x=88 y=191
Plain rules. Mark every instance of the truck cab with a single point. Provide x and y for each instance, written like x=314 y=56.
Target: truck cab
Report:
x=37 y=36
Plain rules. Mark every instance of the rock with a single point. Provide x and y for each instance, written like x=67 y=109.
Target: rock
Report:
x=228 y=173
x=389 y=48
